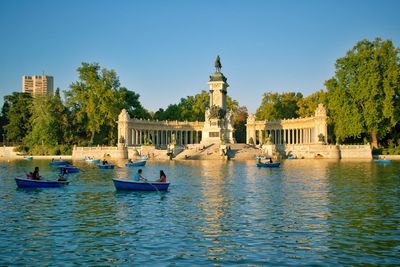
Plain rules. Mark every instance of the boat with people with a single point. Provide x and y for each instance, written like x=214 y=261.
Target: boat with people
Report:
x=30 y=183
x=269 y=164
x=106 y=166
x=68 y=169
x=139 y=186
x=135 y=163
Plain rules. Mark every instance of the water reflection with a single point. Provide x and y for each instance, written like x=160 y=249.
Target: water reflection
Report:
x=307 y=212
x=362 y=212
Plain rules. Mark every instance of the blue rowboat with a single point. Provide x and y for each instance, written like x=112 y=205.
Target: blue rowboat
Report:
x=28 y=158
x=92 y=161
x=136 y=164
x=106 y=166
x=384 y=161
x=139 y=186
x=28 y=183
x=269 y=165
x=68 y=169
x=58 y=163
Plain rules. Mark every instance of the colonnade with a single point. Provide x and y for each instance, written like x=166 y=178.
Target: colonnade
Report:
x=285 y=136
x=162 y=137
x=309 y=130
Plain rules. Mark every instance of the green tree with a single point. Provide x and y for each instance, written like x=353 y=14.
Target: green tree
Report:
x=191 y=108
x=363 y=95
x=18 y=116
x=130 y=102
x=239 y=123
x=308 y=105
x=95 y=102
x=275 y=106
x=3 y=120
x=43 y=121
x=171 y=113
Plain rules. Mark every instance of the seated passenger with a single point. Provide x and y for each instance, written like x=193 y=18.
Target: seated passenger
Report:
x=35 y=174
x=163 y=177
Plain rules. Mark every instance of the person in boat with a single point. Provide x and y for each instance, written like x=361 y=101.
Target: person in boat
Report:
x=61 y=177
x=259 y=159
x=105 y=162
x=130 y=161
x=35 y=174
x=138 y=176
x=163 y=177
x=270 y=160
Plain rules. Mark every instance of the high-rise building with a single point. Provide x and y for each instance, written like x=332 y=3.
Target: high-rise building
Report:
x=37 y=85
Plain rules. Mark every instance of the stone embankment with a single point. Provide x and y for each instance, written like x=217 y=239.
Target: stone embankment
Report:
x=7 y=152
x=211 y=152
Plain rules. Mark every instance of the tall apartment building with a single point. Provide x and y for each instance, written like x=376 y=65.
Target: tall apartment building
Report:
x=37 y=85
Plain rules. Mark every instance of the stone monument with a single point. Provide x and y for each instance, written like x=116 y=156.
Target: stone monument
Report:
x=218 y=125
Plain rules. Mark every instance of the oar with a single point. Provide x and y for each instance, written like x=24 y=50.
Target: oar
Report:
x=158 y=191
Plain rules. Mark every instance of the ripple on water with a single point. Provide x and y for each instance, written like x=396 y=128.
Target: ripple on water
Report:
x=304 y=213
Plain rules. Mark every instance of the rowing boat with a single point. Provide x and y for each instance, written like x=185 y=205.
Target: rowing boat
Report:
x=68 y=169
x=136 y=164
x=269 y=165
x=139 y=186
x=106 y=166
x=29 y=183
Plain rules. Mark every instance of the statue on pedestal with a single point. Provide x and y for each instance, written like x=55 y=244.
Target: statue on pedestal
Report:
x=217 y=64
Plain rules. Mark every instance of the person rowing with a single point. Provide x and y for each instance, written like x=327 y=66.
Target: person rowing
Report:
x=137 y=177
x=35 y=174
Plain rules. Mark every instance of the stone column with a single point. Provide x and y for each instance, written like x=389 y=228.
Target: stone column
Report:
x=186 y=137
x=301 y=136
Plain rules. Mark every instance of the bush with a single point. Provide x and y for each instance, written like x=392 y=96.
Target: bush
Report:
x=393 y=148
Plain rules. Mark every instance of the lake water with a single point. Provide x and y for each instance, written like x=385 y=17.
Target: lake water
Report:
x=308 y=212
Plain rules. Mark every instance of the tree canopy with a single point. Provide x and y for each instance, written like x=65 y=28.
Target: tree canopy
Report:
x=275 y=106
x=18 y=116
x=363 y=96
x=96 y=100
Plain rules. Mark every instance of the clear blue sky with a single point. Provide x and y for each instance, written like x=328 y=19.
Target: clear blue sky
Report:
x=165 y=50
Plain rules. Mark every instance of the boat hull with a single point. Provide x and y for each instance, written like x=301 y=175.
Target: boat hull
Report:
x=58 y=163
x=69 y=169
x=92 y=161
x=27 y=183
x=383 y=161
x=139 y=186
x=269 y=165
x=136 y=164
x=106 y=166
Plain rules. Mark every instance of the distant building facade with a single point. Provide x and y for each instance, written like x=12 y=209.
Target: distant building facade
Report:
x=38 y=84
